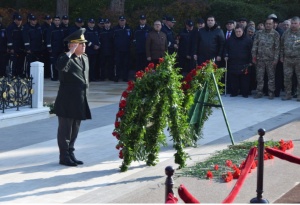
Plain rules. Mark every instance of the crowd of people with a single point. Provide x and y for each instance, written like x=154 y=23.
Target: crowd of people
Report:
x=264 y=57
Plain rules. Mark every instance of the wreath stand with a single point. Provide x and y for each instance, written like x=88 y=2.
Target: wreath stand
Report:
x=197 y=110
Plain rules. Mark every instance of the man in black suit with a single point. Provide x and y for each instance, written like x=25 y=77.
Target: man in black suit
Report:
x=71 y=104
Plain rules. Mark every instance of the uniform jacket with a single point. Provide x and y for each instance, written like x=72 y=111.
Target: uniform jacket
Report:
x=3 y=39
x=122 y=38
x=290 y=44
x=156 y=45
x=185 y=38
x=209 y=43
x=91 y=35
x=14 y=37
x=71 y=100
x=140 y=35
x=106 y=38
x=266 y=45
x=33 y=38
x=55 y=37
x=170 y=38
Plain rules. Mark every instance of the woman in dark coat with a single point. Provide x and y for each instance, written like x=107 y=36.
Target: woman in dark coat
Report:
x=237 y=53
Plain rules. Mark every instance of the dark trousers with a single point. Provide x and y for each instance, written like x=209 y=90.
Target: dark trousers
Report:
x=122 y=61
x=66 y=136
x=92 y=66
x=240 y=84
x=31 y=57
x=107 y=67
x=278 y=78
x=53 y=70
x=186 y=64
x=141 y=61
x=16 y=61
x=3 y=63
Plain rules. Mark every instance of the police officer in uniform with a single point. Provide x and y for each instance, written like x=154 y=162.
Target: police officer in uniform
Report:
x=185 y=53
x=55 y=45
x=3 y=49
x=106 y=38
x=33 y=42
x=92 y=48
x=79 y=23
x=15 y=45
x=140 y=35
x=71 y=104
x=167 y=28
x=65 y=26
x=122 y=40
x=46 y=56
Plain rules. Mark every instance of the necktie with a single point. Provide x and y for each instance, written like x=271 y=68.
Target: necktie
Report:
x=228 y=34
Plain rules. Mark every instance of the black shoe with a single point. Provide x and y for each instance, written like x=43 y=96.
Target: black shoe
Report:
x=68 y=162
x=73 y=158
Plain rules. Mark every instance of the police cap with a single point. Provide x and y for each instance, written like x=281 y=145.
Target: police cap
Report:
x=200 y=20
x=106 y=21
x=142 y=17
x=230 y=21
x=47 y=17
x=76 y=37
x=79 y=20
x=91 y=20
x=65 y=17
x=122 y=18
x=32 y=17
x=170 y=18
x=18 y=17
x=189 y=23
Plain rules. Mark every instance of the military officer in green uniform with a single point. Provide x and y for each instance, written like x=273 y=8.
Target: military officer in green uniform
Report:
x=71 y=104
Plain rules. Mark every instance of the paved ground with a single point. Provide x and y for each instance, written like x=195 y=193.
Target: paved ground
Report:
x=30 y=173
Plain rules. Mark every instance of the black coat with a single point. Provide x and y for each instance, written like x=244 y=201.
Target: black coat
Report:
x=71 y=100
x=238 y=51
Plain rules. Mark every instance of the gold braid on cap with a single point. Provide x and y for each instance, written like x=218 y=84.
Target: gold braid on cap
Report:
x=81 y=39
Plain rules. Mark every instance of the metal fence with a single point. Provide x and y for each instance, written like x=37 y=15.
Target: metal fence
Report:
x=15 y=92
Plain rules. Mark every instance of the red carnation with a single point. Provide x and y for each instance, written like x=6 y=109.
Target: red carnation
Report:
x=194 y=72
x=130 y=85
x=139 y=74
x=151 y=65
x=216 y=167
x=115 y=133
x=161 y=60
x=122 y=104
x=147 y=69
x=120 y=113
x=204 y=64
x=228 y=163
x=117 y=147
x=209 y=175
x=199 y=67
x=227 y=177
x=125 y=94
x=117 y=124
x=121 y=154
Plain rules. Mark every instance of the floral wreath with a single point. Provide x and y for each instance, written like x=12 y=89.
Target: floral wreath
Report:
x=157 y=99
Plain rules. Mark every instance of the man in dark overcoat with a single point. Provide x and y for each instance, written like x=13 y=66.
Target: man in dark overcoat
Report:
x=71 y=104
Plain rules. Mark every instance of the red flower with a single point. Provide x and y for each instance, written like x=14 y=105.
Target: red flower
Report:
x=236 y=174
x=117 y=147
x=130 y=85
x=199 y=67
x=209 y=175
x=194 y=72
x=188 y=78
x=227 y=177
x=125 y=94
x=120 y=113
x=139 y=74
x=121 y=154
x=228 y=163
x=122 y=104
x=204 y=64
x=161 y=60
x=266 y=157
x=115 y=133
x=186 y=86
x=216 y=167
x=253 y=166
x=147 y=69
x=117 y=124
x=151 y=65
x=242 y=165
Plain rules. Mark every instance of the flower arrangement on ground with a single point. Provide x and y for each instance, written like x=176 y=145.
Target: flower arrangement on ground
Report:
x=155 y=100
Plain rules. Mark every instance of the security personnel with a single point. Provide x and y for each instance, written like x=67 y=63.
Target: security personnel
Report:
x=79 y=23
x=55 y=45
x=185 y=54
x=265 y=54
x=122 y=40
x=140 y=35
x=92 y=48
x=15 y=45
x=100 y=24
x=71 y=105
x=290 y=56
x=106 y=38
x=3 y=49
x=46 y=56
x=33 y=42
x=168 y=30
x=65 y=26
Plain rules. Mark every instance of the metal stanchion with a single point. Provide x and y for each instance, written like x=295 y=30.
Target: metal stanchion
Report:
x=169 y=181
x=260 y=169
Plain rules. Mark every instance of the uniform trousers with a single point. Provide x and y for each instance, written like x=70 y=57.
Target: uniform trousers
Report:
x=291 y=65
x=66 y=136
x=263 y=66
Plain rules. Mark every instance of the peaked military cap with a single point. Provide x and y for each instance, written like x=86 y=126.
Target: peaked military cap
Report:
x=91 y=20
x=65 y=17
x=32 y=17
x=200 y=20
x=189 y=22
x=47 y=17
x=170 y=18
x=142 y=17
x=106 y=21
x=18 y=17
x=122 y=18
x=76 y=37
x=79 y=20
